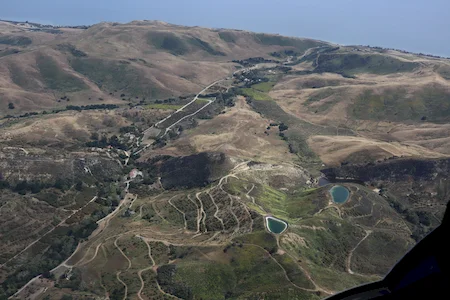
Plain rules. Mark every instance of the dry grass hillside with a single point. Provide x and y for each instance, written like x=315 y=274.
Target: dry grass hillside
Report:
x=395 y=104
x=111 y=62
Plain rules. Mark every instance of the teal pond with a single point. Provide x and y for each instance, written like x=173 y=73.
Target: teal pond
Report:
x=339 y=194
x=276 y=225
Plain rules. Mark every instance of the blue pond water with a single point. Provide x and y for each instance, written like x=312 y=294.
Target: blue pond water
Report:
x=339 y=193
x=276 y=226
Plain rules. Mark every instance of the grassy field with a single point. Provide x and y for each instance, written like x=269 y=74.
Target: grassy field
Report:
x=358 y=63
x=264 y=87
x=255 y=94
x=242 y=271
x=444 y=71
x=332 y=96
x=8 y=52
x=56 y=78
x=319 y=95
x=21 y=78
x=163 y=106
x=298 y=131
x=228 y=37
x=400 y=104
x=179 y=44
x=290 y=206
x=15 y=40
x=111 y=75
x=167 y=41
x=259 y=91
x=202 y=101
x=299 y=44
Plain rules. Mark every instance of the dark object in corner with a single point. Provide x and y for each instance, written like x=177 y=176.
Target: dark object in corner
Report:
x=423 y=273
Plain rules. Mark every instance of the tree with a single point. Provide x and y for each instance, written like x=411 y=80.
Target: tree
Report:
x=11 y=105
x=283 y=127
x=79 y=186
x=94 y=136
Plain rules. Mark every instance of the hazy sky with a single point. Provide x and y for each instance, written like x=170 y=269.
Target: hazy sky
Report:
x=419 y=26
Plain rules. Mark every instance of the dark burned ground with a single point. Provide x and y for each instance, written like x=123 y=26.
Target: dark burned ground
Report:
x=418 y=189
x=192 y=171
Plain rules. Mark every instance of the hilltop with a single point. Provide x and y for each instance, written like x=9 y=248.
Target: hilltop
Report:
x=110 y=62
x=142 y=160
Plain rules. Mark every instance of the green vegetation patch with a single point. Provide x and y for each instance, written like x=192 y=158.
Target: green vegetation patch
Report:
x=177 y=45
x=291 y=206
x=444 y=71
x=69 y=48
x=240 y=271
x=331 y=243
x=260 y=238
x=15 y=40
x=332 y=96
x=167 y=41
x=319 y=95
x=21 y=78
x=207 y=280
x=295 y=274
x=202 y=45
x=111 y=75
x=8 y=52
x=278 y=40
x=202 y=101
x=431 y=103
x=264 y=87
x=56 y=78
x=164 y=106
x=255 y=271
x=298 y=131
x=367 y=259
x=335 y=280
x=228 y=37
x=363 y=63
x=255 y=94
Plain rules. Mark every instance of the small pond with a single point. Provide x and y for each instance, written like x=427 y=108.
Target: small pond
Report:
x=276 y=225
x=339 y=193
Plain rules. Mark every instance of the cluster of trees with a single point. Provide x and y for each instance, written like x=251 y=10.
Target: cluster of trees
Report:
x=61 y=244
x=126 y=129
x=165 y=277
x=24 y=186
x=71 y=48
x=179 y=252
x=421 y=220
x=228 y=98
x=92 y=106
x=284 y=53
x=68 y=107
x=253 y=61
x=103 y=142
x=25 y=115
x=165 y=101
x=282 y=127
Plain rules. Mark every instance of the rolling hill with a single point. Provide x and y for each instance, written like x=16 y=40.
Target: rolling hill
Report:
x=109 y=61
x=147 y=161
